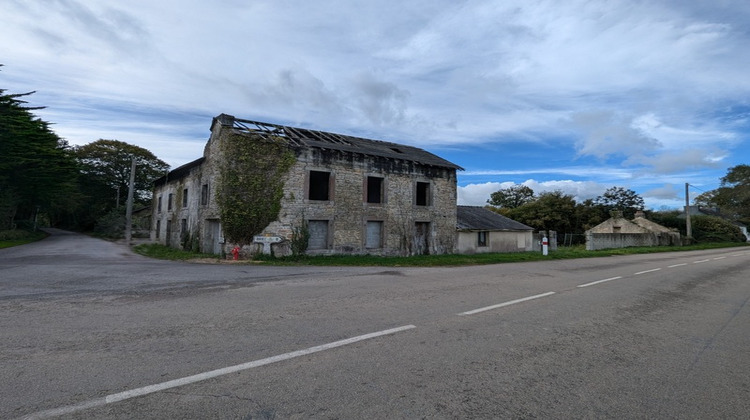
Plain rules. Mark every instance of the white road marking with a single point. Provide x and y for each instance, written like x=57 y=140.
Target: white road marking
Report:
x=97 y=402
x=677 y=265
x=599 y=281
x=647 y=271
x=719 y=258
x=500 y=305
x=700 y=261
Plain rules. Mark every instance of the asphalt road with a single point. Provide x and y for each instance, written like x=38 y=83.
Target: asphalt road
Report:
x=90 y=330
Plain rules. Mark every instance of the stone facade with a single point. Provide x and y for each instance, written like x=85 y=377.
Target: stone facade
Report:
x=356 y=196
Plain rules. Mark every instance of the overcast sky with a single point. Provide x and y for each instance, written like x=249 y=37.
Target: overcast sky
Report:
x=572 y=95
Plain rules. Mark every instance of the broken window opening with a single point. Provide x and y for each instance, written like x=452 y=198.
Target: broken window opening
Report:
x=319 y=186
x=423 y=194
x=204 y=194
x=374 y=189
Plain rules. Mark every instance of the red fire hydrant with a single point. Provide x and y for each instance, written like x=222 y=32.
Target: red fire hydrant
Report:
x=236 y=253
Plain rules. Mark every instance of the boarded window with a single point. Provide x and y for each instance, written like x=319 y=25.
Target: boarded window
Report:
x=204 y=194
x=423 y=194
x=185 y=197
x=374 y=189
x=183 y=225
x=158 y=228
x=374 y=235
x=158 y=206
x=169 y=202
x=319 y=185
x=482 y=238
x=318 y=234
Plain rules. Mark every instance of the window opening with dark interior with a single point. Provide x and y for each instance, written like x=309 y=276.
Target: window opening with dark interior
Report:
x=374 y=189
x=319 y=185
x=423 y=193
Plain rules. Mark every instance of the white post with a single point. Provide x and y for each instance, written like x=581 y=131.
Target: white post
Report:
x=545 y=246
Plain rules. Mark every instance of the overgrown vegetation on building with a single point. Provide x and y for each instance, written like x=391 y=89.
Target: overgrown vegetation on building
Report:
x=250 y=185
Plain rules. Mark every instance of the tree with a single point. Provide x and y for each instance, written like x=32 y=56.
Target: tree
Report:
x=109 y=161
x=512 y=197
x=732 y=198
x=734 y=193
x=105 y=176
x=621 y=199
x=550 y=211
x=37 y=168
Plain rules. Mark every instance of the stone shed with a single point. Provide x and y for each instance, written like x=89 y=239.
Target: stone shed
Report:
x=340 y=194
x=618 y=232
x=480 y=230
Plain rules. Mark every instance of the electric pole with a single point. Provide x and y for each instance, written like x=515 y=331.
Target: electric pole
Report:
x=688 y=227
x=129 y=209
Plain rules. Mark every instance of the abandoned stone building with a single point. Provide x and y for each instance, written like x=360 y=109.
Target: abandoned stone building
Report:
x=339 y=194
x=618 y=232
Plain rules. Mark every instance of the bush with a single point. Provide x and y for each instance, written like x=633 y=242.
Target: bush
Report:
x=14 y=235
x=111 y=225
x=714 y=229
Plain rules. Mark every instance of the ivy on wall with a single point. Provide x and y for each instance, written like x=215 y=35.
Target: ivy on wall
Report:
x=251 y=183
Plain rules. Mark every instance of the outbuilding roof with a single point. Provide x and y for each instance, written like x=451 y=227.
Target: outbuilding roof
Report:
x=480 y=218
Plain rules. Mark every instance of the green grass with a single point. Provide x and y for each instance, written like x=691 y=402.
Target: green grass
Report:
x=9 y=238
x=166 y=253
x=162 y=252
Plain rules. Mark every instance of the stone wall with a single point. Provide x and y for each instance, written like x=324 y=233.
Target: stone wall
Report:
x=597 y=241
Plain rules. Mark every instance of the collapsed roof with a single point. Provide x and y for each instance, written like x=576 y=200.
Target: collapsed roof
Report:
x=304 y=138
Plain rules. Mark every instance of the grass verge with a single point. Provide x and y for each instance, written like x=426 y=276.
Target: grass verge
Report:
x=166 y=253
x=162 y=252
x=9 y=238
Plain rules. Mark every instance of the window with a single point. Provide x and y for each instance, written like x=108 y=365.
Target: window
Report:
x=374 y=189
x=169 y=202
x=320 y=183
x=158 y=226
x=183 y=226
x=423 y=194
x=158 y=206
x=374 y=235
x=318 y=234
x=204 y=194
x=482 y=238
x=184 y=197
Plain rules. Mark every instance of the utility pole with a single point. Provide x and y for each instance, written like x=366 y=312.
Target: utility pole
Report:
x=129 y=209
x=688 y=227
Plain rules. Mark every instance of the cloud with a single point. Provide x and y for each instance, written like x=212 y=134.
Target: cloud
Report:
x=665 y=192
x=381 y=102
x=478 y=194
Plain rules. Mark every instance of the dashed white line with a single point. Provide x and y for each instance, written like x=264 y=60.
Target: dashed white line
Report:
x=97 y=402
x=500 y=305
x=599 y=281
x=700 y=261
x=647 y=271
x=677 y=265
x=719 y=258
